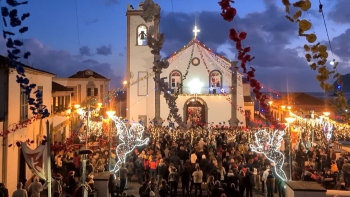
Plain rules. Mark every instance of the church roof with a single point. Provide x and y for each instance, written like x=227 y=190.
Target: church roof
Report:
x=196 y=41
x=86 y=74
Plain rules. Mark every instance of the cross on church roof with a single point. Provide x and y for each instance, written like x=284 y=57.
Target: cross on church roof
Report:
x=195 y=31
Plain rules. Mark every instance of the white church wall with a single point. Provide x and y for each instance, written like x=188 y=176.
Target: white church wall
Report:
x=240 y=101
x=140 y=62
x=200 y=72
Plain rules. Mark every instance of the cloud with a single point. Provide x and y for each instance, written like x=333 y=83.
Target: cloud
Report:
x=269 y=37
x=85 y=51
x=340 y=12
x=269 y=40
x=63 y=63
x=104 y=50
x=341 y=45
x=89 y=22
x=121 y=54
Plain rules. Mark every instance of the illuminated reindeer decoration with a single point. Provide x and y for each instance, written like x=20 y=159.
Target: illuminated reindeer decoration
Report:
x=129 y=139
x=269 y=146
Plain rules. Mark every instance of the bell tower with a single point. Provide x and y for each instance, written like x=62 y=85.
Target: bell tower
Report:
x=140 y=90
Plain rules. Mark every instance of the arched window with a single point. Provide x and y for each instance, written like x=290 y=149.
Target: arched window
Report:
x=175 y=81
x=141 y=35
x=215 y=81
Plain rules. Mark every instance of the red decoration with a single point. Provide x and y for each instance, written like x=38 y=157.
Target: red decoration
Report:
x=228 y=13
x=16 y=126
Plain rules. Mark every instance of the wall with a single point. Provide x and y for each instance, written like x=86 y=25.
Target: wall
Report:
x=13 y=117
x=139 y=59
x=74 y=82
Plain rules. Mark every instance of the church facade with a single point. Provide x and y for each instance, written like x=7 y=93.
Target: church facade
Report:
x=212 y=92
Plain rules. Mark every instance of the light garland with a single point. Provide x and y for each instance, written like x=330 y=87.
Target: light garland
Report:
x=269 y=146
x=130 y=138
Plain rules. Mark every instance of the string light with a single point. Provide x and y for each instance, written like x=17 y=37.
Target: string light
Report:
x=269 y=146
x=129 y=138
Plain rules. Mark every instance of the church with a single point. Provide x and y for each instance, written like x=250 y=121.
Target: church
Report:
x=213 y=91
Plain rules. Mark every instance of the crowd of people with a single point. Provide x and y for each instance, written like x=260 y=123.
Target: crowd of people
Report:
x=200 y=162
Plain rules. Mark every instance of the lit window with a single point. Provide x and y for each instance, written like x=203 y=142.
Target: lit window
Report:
x=142 y=35
x=175 y=80
x=215 y=82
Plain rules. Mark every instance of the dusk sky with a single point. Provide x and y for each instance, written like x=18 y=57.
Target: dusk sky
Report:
x=64 y=40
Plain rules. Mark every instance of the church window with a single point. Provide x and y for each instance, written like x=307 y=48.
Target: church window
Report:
x=175 y=80
x=141 y=35
x=215 y=82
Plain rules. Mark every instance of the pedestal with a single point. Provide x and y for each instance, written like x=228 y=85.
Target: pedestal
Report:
x=101 y=183
x=304 y=189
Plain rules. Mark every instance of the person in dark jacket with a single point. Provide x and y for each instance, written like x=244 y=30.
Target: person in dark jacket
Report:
x=4 y=190
x=270 y=181
x=71 y=184
x=232 y=191
x=185 y=179
x=216 y=190
x=249 y=183
x=203 y=164
x=112 y=185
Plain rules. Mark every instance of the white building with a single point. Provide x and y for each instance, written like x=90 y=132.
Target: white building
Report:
x=14 y=109
x=85 y=84
x=201 y=98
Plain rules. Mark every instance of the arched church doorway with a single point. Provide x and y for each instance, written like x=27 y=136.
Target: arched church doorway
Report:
x=195 y=111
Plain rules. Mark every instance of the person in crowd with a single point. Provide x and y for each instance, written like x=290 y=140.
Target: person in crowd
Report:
x=241 y=182
x=123 y=175
x=197 y=180
x=270 y=184
x=57 y=184
x=164 y=190
x=174 y=181
x=4 y=190
x=20 y=192
x=35 y=188
x=185 y=179
x=112 y=186
x=71 y=184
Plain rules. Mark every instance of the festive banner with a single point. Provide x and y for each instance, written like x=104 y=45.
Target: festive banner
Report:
x=35 y=159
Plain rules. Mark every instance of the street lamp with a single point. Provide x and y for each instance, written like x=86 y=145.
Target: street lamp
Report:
x=289 y=121
x=76 y=106
x=283 y=107
x=110 y=115
x=99 y=105
x=289 y=107
x=270 y=102
x=326 y=114
x=125 y=82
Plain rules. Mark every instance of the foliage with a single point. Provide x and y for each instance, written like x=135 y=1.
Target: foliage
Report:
x=316 y=54
x=10 y=15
